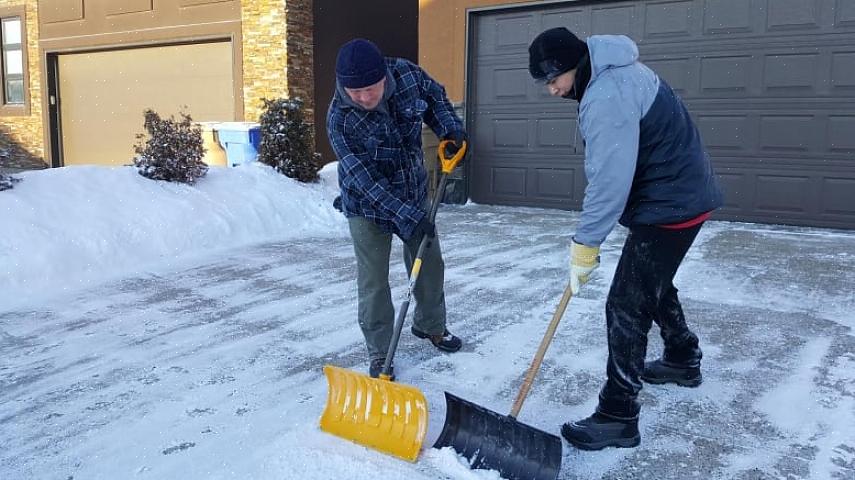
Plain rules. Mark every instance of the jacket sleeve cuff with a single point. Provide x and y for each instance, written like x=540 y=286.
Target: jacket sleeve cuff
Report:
x=407 y=219
x=586 y=240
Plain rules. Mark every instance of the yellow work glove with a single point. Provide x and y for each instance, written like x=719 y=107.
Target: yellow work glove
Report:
x=583 y=261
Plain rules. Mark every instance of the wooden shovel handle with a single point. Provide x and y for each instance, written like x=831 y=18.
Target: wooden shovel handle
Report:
x=541 y=351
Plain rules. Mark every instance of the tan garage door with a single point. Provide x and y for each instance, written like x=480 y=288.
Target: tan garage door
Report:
x=103 y=95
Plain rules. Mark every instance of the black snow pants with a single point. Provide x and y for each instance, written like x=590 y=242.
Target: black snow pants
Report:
x=643 y=292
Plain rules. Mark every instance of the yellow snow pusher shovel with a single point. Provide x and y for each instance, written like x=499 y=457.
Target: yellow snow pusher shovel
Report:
x=376 y=412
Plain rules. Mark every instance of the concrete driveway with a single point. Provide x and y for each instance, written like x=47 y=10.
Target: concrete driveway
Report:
x=212 y=369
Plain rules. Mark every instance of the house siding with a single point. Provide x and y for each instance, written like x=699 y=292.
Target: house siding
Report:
x=442 y=40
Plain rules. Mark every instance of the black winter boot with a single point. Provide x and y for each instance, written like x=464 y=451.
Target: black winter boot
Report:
x=600 y=431
x=661 y=371
x=376 y=368
x=445 y=342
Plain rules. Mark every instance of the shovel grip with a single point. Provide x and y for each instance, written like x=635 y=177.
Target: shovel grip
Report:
x=448 y=164
x=541 y=351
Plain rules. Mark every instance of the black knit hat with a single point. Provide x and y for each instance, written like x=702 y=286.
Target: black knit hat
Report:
x=359 y=64
x=553 y=52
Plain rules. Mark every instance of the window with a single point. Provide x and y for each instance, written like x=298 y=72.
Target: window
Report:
x=13 y=62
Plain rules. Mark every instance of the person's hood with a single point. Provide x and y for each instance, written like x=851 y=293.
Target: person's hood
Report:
x=387 y=93
x=610 y=51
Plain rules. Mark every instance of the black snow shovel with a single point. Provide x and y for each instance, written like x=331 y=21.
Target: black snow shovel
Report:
x=497 y=442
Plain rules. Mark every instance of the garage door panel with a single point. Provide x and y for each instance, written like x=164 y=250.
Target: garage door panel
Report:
x=724 y=132
x=668 y=19
x=771 y=85
x=511 y=83
x=793 y=14
x=782 y=193
x=129 y=6
x=813 y=165
x=536 y=131
x=533 y=160
x=514 y=32
x=726 y=17
x=795 y=72
x=508 y=181
x=790 y=190
x=845 y=13
x=502 y=84
x=677 y=72
x=554 y=187
x=613 y=19
x=554 y=182
x=577 y=20
x=554 y=133
x=55 y=11
x=786 y=133
x=841 y=133
x=510 y=133
x=815 y=138
x=492 y=43
x=740 y=194
x=722 y=75
x=837 y=196
x=843 y=71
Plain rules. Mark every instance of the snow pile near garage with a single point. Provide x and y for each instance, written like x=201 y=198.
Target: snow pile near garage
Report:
x=68 y=227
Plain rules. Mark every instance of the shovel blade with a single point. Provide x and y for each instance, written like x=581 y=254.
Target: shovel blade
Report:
x=376 y=413
x=493 y=441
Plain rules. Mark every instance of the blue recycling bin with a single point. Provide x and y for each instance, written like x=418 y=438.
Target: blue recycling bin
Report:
x=240 y=140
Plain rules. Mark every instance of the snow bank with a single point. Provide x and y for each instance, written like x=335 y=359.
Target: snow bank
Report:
x=67 y=227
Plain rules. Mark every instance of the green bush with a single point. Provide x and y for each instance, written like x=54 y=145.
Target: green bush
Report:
x=173 y=150
x=7 y=181
x=286 y=140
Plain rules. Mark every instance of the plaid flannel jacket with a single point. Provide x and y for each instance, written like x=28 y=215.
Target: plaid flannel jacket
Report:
x=381 y=167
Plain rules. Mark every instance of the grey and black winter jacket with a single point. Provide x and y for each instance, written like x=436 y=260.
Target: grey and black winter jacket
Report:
x=644 y=159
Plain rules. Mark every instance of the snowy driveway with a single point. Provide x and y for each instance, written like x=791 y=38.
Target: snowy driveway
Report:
x=213 y=370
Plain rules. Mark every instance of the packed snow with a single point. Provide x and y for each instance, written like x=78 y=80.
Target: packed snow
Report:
x=156 y=330
x=68 y=227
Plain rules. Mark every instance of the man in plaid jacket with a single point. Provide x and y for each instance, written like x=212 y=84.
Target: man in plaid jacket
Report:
x=374 y=125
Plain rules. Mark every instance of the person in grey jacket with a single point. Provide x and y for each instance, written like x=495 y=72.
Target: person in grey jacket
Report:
x=647 y=169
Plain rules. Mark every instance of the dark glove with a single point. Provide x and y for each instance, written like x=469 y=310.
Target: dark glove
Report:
x=424 y=227
x=337 y=203
x=457 y=137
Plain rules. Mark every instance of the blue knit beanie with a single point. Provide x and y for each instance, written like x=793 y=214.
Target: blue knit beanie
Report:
x=359 y=64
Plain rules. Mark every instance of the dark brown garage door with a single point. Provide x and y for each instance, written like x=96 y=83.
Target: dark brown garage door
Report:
x=771 y=84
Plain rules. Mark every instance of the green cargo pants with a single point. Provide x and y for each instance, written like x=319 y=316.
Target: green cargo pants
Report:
x=376 y=313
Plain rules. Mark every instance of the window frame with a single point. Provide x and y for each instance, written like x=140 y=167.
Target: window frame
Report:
x=15 y=109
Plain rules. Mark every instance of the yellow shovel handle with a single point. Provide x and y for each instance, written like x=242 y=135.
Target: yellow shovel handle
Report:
x=448 y=164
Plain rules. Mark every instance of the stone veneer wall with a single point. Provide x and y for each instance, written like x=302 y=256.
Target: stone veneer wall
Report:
x=264 y=53
x=22 y=137
x=277 y=53
x=301 y=79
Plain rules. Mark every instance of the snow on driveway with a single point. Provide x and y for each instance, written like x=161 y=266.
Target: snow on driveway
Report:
x=211 y=369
